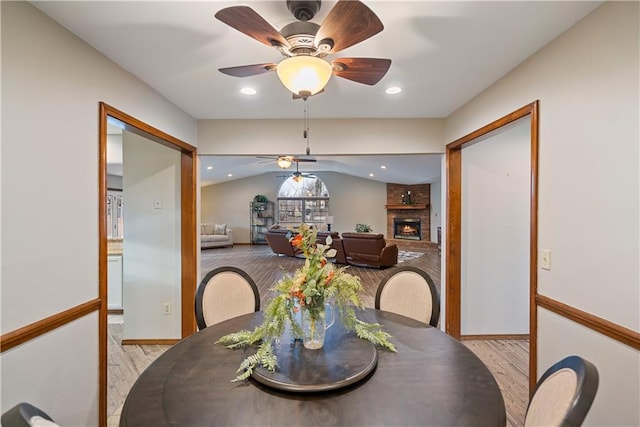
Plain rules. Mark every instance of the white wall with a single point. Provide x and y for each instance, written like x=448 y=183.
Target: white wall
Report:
x=587 y=84
x=51 y=85
x=327 y=136
x=356 y=200
x=151 y=262
x=495 y=233
x=353 y=200
x=51 y=373
x=229 y=202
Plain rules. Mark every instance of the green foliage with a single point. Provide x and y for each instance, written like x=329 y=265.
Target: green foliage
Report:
x=309 y=287
x=260 y=198
x=363 y=228
x=263 y=357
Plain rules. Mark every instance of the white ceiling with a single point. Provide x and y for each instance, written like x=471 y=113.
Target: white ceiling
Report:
x=443 y=53
x=404 y=169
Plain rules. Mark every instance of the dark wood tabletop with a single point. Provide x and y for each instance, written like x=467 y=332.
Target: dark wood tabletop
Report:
x=432 y=380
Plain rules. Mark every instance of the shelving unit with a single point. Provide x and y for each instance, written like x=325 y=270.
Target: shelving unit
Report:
x=261 y=219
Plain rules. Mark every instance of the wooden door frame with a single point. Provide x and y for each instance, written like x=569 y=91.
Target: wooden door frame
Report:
x=187 y=231
x=454 y=227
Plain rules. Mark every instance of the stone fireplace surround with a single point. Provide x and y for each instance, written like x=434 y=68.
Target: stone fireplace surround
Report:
x=420 y=194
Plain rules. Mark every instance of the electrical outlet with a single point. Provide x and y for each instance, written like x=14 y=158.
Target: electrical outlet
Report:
x=167 y=308
x=545 y=259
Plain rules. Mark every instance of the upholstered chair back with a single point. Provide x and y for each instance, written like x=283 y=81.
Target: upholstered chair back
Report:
x=411 y=292
x=564 y=394
x=224 y=293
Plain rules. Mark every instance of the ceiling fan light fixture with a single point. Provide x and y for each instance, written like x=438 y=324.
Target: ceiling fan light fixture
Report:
x=284 y=162
x=304 y=75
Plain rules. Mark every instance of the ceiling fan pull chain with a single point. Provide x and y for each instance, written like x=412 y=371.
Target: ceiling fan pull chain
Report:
x=306 y=126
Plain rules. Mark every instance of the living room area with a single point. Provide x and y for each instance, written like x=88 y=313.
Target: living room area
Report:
x=405 y=214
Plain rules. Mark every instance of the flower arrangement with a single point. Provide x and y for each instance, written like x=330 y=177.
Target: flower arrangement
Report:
x=309 y=288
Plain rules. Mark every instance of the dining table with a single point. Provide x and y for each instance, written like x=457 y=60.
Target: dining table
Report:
x=431 y=380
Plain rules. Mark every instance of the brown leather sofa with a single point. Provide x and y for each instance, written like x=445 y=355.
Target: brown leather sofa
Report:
x=369 y=249
x=278 y=240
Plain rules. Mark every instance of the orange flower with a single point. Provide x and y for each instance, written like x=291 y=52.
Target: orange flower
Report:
x=297 y=241
x=329 y=277
x=323 y=262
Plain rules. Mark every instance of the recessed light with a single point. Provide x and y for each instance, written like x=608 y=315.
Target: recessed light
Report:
x=248 y=91
x=229 y=174
x=371 y=175
x=393 y=90
x=209 y=168
x=383 y=167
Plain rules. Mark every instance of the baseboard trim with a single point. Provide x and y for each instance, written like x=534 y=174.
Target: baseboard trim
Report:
x=150 y=342
x=612 y=330
x=495 y=337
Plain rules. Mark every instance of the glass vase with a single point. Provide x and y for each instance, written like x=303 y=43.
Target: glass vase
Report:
x=314 y=325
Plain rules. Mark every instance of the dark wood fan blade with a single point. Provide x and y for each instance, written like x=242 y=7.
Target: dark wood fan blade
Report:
x=293 y=159
x=247 y=20
x=248 y=70
x=362 y=70
x=348 y=23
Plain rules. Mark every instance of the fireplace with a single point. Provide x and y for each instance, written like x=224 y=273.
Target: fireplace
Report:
x=407 y=228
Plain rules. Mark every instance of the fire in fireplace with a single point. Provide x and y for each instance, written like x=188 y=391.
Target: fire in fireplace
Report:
x=407 y=228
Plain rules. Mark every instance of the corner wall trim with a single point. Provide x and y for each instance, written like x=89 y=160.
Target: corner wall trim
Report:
x=26 y=333
x=612 y=330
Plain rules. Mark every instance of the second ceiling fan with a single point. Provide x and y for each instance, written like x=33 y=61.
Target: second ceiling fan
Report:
x=305 y=44
x=284 y=162
x=298 y=176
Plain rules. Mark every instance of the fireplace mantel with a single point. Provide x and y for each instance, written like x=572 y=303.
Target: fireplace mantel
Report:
x=414 y=207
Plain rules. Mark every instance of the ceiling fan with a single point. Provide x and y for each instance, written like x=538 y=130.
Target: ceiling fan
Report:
x=297 y=175
x=284 y=162
x=305 y=44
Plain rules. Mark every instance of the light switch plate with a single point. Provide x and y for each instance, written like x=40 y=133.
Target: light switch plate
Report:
x=545 y=259
x=157 y=203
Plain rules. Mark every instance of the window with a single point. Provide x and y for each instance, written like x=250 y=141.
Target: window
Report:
x=303 y=199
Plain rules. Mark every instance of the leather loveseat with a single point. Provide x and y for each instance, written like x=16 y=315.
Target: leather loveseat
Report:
x=278 y=240
x=369 y=249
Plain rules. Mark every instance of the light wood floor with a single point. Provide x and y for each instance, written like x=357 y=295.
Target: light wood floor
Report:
x=507 y=359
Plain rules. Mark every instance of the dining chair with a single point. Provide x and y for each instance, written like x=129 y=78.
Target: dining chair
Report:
x=224 y=293
x=26 y=415
x=564 y=394
x=409 y=291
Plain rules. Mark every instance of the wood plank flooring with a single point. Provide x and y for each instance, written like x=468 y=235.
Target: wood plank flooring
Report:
x=507 y=359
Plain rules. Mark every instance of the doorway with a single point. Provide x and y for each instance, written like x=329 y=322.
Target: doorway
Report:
x=454 y=230
x=186 y=228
